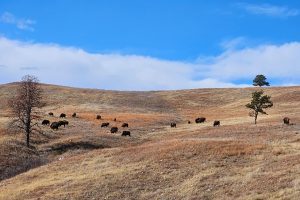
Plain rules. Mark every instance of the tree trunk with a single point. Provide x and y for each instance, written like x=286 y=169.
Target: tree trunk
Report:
x=27 y=128
x=255 y=118
x=27 y=139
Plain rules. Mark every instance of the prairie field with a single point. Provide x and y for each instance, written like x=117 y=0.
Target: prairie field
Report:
x=237 y=160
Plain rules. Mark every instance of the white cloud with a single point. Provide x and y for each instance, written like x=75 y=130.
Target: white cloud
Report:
x=236 y=43
x=76 y=67
x=277 y=62
x=270 y=10
x=23 y=24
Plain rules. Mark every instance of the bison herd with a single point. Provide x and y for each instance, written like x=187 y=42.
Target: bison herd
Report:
x=56 y=125
x=286 y=121
x=197 y=121
x=114 y=129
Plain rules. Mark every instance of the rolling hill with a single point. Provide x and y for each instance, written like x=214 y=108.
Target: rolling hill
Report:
x=238 y=160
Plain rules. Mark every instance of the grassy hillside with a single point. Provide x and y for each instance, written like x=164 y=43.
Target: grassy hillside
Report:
x=238 y=160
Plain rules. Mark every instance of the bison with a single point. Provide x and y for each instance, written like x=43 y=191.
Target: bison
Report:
x=115 y=119
x=114 y=129
x=51 y=114
x=286 y=120
x=98 y=117
x=125 y=125
x=173 y=125
x=60 y=123
x=54 y=125
x=125 y=133
x=106 y=124
x=66 y=122
x=200 y=120
x=74 y=115
x=45 y=122
x=189 y=122
x=217 y=123
x=63 y=123
x=63 y=115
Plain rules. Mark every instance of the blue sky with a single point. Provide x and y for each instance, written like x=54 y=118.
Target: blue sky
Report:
x=140 y=39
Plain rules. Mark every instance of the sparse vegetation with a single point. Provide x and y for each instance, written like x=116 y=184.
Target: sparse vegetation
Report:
x=193 y=161
x=15 y=157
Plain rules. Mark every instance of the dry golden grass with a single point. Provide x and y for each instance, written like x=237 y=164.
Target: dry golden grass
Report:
x=237 y=160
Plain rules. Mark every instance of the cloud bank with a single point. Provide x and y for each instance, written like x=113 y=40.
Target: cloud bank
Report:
x=76 y=67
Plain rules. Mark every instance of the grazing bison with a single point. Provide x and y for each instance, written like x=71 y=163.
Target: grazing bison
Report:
x=45 y=122
x=54 y=125
x=60 y=123
x=106 y=124
x=66 y=122
x=63 y=115
x=173 y=125
x=125 y=125
x=217 y=123
x=200 y=120
x=189 y=122
x=125 y=133
x=114 y=129
x=50 y=114
x=98 y=117
x=115 y=119
x=74 y=115
x=63 y=123
x=286 y=120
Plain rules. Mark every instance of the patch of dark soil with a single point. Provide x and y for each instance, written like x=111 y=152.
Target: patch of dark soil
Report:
x=64 y=147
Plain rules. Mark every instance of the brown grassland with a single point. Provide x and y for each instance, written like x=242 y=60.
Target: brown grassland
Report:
x=238 y=160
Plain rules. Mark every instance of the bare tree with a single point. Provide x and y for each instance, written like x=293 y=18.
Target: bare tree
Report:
x=24 y=105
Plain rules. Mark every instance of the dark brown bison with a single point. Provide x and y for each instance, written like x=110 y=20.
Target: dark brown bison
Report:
x=125 y=133
x=54 y=125
x=189 y=122
x=200 y=120
x=173 y=125
x=217 y=123
x=45 y=122
x=63 y=123
x=115 y=119
x=106 y=124
x=63 y=115
x=114 y=129
x=74 y=115
x=98 y=117
x=50 y=114
x=66 y=122
x=286 y=120
x=125 y=125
